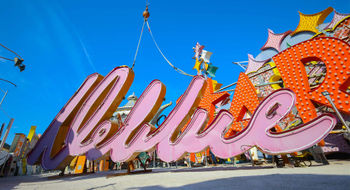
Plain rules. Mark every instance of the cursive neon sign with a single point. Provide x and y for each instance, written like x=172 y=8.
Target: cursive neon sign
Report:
x=83 y=126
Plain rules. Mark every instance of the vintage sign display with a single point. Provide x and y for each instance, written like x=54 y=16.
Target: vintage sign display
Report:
x=82 y=128
x=331 y=51
x=245 y=101
x=92 y=134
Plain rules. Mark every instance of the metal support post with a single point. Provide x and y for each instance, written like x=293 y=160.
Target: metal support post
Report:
x=154 y=159
x=2 y=128
x=6 y=133
x=3 y=98
x=327 y=95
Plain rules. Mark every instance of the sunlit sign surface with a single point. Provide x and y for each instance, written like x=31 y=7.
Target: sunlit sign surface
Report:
x=82 y=127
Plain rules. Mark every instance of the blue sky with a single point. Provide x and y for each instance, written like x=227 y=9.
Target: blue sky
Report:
x=64 y=41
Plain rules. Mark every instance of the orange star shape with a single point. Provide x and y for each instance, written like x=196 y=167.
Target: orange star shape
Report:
x=210 y=99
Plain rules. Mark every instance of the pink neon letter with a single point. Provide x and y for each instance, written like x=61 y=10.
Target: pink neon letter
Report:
x=47 y=141
x=106 y=97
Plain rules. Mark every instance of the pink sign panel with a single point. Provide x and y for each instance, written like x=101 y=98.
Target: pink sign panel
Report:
x=91 y=133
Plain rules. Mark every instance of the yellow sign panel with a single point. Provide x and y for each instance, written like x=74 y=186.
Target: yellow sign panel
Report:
x=79 y=168
x=31 y=133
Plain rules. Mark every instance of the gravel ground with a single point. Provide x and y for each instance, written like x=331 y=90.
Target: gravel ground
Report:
x=333 y=176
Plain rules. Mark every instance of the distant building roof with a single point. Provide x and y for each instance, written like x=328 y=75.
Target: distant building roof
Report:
x=132 y=100
x=124 y=110
x=128 y=106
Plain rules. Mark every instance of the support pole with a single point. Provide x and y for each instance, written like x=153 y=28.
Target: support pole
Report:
x=3 y=98
x=269 y=83
x=154 y=159
x=242 y=66
x=226 y=86
x=6 y=133
x=327 y=95
x=2 y=128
